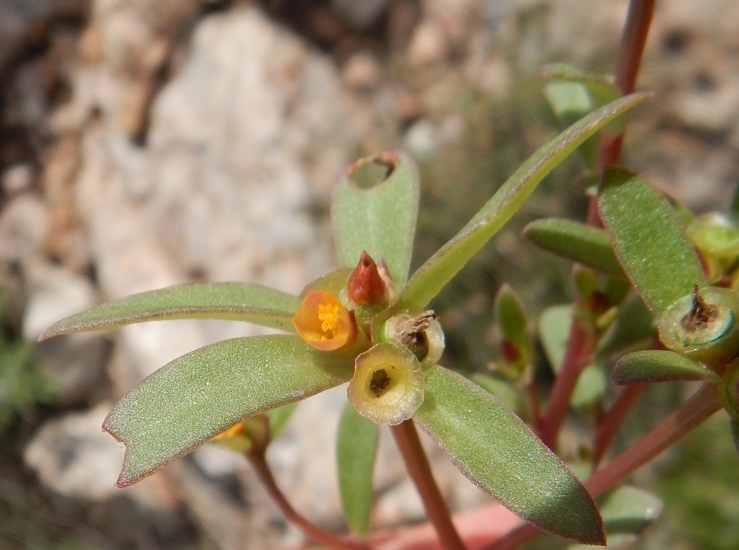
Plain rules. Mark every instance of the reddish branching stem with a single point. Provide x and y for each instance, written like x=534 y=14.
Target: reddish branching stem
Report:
x=409 y=445
x=609 y=425
x=577 y=355
x=630 y=52
x=310 y=529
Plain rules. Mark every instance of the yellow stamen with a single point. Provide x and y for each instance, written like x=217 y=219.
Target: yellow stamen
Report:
x=328 y=314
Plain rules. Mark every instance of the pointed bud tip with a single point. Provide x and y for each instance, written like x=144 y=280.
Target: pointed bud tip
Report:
x=366 y=286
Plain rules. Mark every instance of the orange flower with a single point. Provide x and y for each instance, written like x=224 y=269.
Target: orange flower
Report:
x=324 y=323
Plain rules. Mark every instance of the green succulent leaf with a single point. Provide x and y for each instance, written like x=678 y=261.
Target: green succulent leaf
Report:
x=554 y=330
x=228 y=301
x=734 y=428
x=659 y=366
x=649 y=240
x=634 y=325
x=438 y=270
x=379 y=219
x=602 y=86
x=573 y=93
x=590 y=387
x=626 y=511
x=204 y=392
x=510 y=315
x=502 y=390
x=496 y=451
x=356 y=450
x=575 y=241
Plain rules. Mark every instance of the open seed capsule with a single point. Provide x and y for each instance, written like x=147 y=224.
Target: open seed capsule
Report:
x=421 y=334
x=387 y=386
x=703 y=325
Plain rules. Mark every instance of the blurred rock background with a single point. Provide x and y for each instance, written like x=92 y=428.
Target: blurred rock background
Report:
x=145 y=143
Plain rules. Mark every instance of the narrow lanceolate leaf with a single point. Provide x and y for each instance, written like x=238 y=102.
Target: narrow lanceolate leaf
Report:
x=575 y=241
x=438 y=270
x=659 y=366
x=633 y=326
x=198 y=395
x=497 y=452
x=356 y=449
x=510 y=315
x=229 y=301
x=627 y=511
x=380 y=219
x=554 y=330
x=572 y=94
x=648 y=239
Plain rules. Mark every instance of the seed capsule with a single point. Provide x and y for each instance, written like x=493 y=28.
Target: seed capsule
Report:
x=387 y=386
x=421 y=334
x=703 y=325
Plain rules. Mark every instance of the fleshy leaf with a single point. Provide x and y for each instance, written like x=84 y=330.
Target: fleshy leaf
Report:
x=734 y=427
x=438 y=270
x=633 y=325
x=510 y=315
x=496 y=451
x=648 y=239
x=575 y=241
x=356 y=449
x=504 y=391
x=380 y=219
x=572 y=94
x=626 y=511
x=659 y=366
x=200 y=394
x=228 y=301
x=601 y=87
x=554 y=330
x=590 y=387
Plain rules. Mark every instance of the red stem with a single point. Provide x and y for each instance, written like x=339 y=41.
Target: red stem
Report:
x=579 y=345
x=311 y=530
x=577 y=354
x=406 y=437
x=701 y=406
x=630 y=52
x=609 y=425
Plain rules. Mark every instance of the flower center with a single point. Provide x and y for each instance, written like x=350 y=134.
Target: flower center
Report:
x=328 y=314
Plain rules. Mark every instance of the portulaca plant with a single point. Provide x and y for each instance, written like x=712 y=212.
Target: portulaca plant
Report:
x=366 y=324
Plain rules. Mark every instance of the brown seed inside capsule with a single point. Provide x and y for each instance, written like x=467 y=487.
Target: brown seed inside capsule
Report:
x=701 y=314
x=380 y=381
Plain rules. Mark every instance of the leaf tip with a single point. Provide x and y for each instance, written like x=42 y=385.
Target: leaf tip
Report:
x=54 y=330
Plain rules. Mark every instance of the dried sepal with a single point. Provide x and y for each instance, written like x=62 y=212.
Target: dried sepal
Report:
x=387 y=386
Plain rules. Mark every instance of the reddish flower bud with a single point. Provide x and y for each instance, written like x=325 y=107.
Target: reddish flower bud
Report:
x=366 y=286
x=510 y=352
